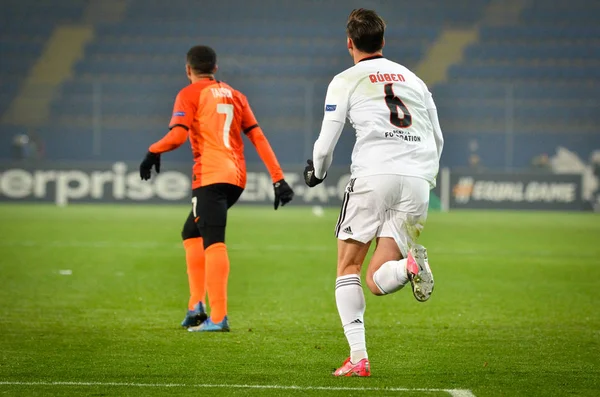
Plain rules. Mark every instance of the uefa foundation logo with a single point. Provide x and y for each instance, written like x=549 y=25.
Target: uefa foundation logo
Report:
x=463 y=190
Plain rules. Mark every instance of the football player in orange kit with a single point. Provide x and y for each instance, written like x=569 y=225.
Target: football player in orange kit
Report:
x=213 y=115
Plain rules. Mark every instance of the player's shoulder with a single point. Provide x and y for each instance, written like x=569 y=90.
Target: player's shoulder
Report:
x=237 y=93
x=345 y=81
x=346 y=75
x=188 y=93
x=189 y=89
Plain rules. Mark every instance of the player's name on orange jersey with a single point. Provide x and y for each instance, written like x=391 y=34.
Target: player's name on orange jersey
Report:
x=221 y=92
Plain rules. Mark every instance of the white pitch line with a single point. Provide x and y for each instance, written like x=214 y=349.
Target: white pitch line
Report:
x=460 y=392
x=452 y=392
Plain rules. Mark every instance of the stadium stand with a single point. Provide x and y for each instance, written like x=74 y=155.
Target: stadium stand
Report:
x=25 y=26
x=279 y=60
x=23 y=33
x=539 y=77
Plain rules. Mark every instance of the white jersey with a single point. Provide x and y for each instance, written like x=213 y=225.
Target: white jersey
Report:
x=395 y=118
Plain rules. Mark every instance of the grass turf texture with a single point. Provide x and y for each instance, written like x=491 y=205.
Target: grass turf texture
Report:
x=515 y=310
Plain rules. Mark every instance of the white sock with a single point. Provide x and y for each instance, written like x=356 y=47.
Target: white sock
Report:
x=351 y=306
x=391 y=276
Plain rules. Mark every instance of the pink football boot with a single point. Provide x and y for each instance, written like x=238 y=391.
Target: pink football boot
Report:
x=362 y=368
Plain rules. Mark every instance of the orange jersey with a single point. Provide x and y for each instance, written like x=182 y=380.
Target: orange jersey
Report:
x=214 y=115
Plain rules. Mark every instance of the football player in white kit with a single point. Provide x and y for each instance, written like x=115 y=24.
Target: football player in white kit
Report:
x=395 y=162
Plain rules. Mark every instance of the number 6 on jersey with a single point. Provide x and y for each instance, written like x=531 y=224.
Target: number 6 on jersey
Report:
x=393 y=103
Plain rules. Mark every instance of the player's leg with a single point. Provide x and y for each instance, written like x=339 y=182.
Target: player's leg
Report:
x=387 y=270
x=357 y=225
x=212 y=213
x=404 y=221
x=194 y=259
x=350 y=301
x=223 y=197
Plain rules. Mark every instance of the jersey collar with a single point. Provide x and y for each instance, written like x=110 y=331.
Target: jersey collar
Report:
x=371 y=57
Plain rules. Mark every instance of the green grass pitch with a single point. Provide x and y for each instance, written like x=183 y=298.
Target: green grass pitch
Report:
x=515 y=312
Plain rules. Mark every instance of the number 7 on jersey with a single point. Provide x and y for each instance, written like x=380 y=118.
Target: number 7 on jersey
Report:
x=227 y=110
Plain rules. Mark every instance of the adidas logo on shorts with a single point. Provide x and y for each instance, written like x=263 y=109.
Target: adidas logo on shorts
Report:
x=347 y=230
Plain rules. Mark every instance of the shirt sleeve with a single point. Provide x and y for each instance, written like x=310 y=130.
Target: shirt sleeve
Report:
x=324 y=146
x=261 y=144
x=181 y=120
x=336 y=110
x=174 y=138
x=433 y=117
x=337 y=100
x=437 y=131
x=183 y=111
x=248 y=120
x=264 y=150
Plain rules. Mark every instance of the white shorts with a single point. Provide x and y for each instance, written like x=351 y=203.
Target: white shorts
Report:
x=384 y=206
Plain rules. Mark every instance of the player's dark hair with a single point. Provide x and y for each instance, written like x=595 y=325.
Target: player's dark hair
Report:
x=202 y=59
x=366 y=30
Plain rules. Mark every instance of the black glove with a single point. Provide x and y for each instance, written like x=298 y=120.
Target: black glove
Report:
x=151 y=159
x=309 y=175
x=283 y=193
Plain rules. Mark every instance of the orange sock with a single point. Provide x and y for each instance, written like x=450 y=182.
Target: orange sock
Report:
x=194 y=258
x=217 y=273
